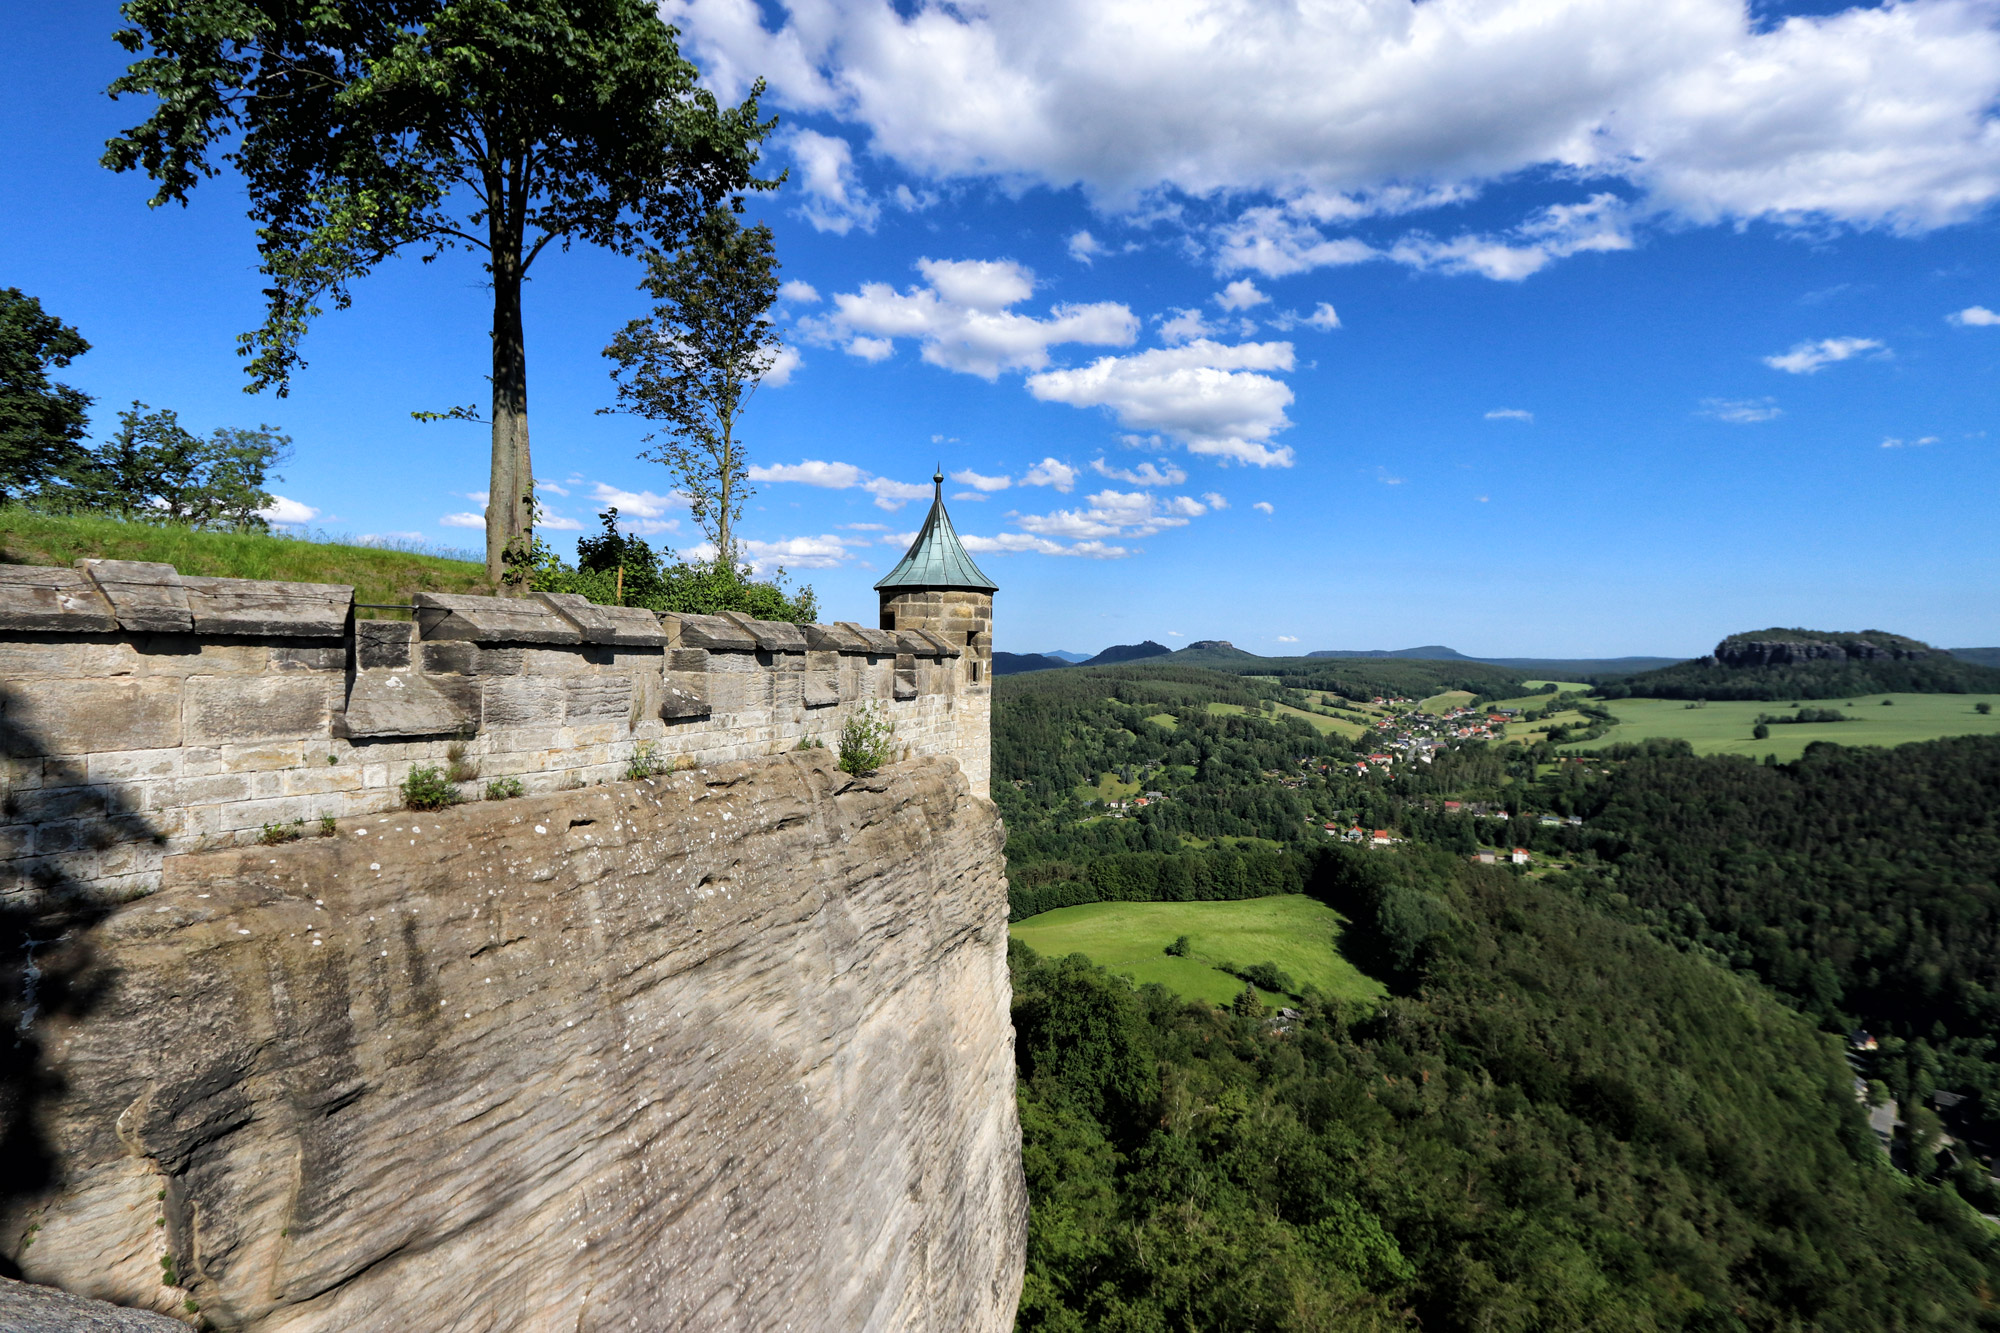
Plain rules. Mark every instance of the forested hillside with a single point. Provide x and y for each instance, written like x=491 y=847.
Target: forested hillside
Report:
x=1608 y=1091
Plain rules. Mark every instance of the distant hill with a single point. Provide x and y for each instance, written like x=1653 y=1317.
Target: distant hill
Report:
x=1217 y=652
x=1797 y=663
x=1574 y=667
x=1013 y=664
x=1127 y=652
x=1067 y=656
x=1983 y=656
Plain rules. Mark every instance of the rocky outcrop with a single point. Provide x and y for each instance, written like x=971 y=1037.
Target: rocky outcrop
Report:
x=727 y=1049
x=1769 y=649
x=26 y=1308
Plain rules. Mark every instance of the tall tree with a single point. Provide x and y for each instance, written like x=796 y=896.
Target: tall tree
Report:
x=693 y=364
x=155 y=469
x=41 y=422
x=371 y=126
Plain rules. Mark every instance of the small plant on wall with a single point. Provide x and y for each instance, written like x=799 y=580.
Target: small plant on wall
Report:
x=427 y=788
x=867 y=741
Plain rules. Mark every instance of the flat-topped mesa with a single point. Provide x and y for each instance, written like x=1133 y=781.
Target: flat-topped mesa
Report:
x=144 y=712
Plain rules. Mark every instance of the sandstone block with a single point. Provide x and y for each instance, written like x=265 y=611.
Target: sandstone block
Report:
x=881 y=643
x=133 y=765
x=328 y=658
x=518 y=701
x=383 y=644
x=715 y=633
x=410 y=703
x=685 y=696
x=56 y=717
x=226 y=710
x=773 y=636
x=146 y=598
x=589 y=700
x=834 y=639
x=452 y=658
x=37 y=599
x=633 y=625
x=552 y=662
x=268 y=609
x=490 y=619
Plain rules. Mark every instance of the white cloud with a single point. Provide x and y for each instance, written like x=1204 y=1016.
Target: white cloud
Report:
x=1262 y=507
x=798 y=293
x=1741 y=411
x=1146 y=474
x=1240 y=295
x=1048 y=472
x=1809 y=358
x=463 y=520
x=1009 y=543
x=1184 y=325
x=1323 y=317
x=840 y=477
x=286 y=512
x=1083 y=247
x=970 y=495
x=1214 y=500
x=1893 y=443
x=1209 y=396
x=477 y=497
x=1111 y=513
x=825 y=552
x=556 y=522
x=1704 y=111
x=1974 y=316
x=962 y=319
x=637 y=504
x=868 y=527
x=542 y=485
x=1288 y=638
x=981 y=483
x=779 y=373
x=913 y=201
x=1510 y=414
x=835 y=201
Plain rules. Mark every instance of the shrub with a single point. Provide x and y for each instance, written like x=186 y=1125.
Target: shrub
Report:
x=1761 y=732
x=426 y=787
x=1179 y=948
x=1266 y=976
x=504 y=789
x=867 y=741
x=327 y=826
x=1982 y=708
x=274 y=834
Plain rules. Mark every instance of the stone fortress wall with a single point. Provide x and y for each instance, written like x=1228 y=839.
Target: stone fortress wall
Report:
x=145 y=712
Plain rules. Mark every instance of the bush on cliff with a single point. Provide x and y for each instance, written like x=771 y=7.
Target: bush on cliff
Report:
x=613 y=569
x=867 y=741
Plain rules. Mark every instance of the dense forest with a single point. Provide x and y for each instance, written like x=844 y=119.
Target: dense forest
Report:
x=1607 y=1094
x=1559 y=1122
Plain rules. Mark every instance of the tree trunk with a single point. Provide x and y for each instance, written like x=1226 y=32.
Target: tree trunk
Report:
x=509 y=508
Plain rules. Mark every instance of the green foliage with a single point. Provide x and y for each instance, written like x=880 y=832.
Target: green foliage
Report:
x=41 y=422
x=426 y=787
x=505 y=789
x=154 y=470
x=645 y=763
x=1982 y=708
x=1562 y=1124
x=653 y=580
x=867 y=741
x=1179 y=948
x=693 y=364
x=1707 y=678
x=328 y=826
x=1761 y=732
x=274 y=834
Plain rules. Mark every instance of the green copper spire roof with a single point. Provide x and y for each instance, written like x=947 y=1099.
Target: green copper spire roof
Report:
x=936 y=559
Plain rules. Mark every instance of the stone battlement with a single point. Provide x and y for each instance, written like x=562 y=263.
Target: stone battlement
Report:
x=144 y=712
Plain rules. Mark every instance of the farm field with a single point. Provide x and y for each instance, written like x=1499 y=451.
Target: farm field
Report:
x=1319 y=722
x=1440 y=704
x=1293 y=931
x=1724 y=727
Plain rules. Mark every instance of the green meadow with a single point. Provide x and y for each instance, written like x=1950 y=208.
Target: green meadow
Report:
x=1293 y=931
x=1440 y=704
x=1719 y=727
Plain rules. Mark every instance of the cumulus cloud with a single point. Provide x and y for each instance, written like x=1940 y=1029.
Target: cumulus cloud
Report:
x=556 y=522
x=463 y=520
x=1262 y=507
x=1893 y=443
x=1974 y=316
x=1809 y=358
x=962 y=319
x=834 y=199
x=888 y=494
x=1700 y=111
x=1323 y=317
x=1240 y=295
x=1083 y=247
x=1147 y=474
x=1010 y=543
x=981 y=483
x=285 y=512
x=1741 y=411
x=1049 y=472
x=1510 y=414
x=637 y=504
x=1213 y=500
x=779 y=373
x=798 y=293
x=1213 y=398
x=1111 y=513
x=1183 y=325
x=1276 y=240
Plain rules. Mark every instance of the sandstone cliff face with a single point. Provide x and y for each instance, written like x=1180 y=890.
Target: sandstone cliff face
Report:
x=723 y=1050
x=1743 y=651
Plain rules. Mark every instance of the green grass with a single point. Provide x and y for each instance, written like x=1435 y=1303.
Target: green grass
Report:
x=1293 y=931
x=1724 y=727
x=376 y=573
x=1440 y=704
x=1110 y=788
x=1167 y=720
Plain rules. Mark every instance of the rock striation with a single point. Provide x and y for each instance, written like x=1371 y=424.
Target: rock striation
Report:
x=26 y=1308
x=726 y=1049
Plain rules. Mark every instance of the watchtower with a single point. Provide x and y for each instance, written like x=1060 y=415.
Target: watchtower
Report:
x=936 y=587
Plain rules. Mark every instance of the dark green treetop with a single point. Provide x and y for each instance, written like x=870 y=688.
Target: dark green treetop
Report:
x=41 y=422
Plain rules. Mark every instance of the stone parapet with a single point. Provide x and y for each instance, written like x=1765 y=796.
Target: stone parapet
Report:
x=144 y=712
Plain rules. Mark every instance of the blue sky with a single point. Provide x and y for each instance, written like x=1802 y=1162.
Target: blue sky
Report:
x=1524 y=326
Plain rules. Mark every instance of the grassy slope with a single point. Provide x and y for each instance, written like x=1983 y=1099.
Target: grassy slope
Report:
x=377 y=575
x=1440 y=704
x=1723 y=727
x=1293 y=931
